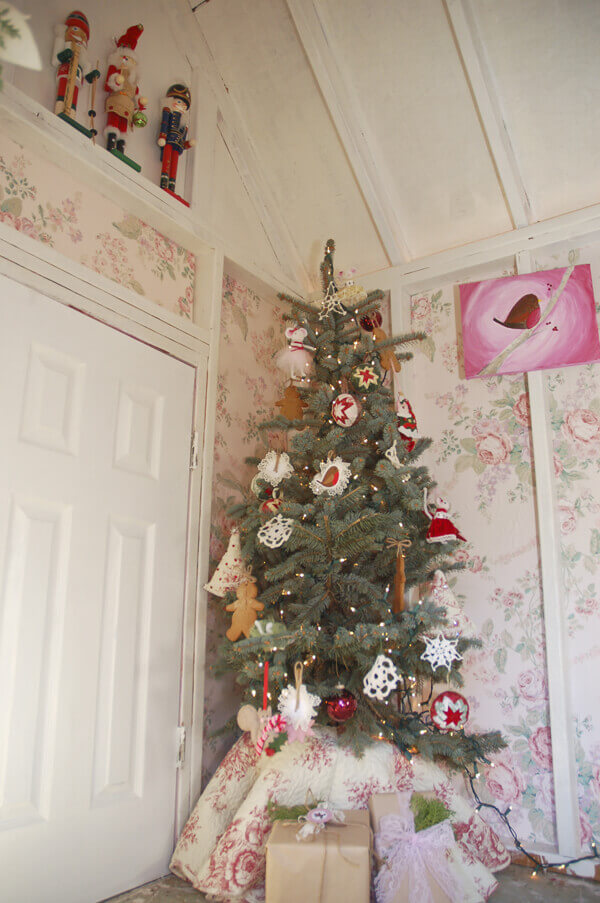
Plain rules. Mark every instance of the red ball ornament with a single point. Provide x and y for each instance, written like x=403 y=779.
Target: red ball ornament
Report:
x=341 y=707
x=345 y=410
x=449 y=711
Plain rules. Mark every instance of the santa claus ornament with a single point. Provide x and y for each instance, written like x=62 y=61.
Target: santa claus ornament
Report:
x=333 y=477
x=406 y=422
x=441 y=528
x=345 y=410
x=124 y=105
x=449 y=711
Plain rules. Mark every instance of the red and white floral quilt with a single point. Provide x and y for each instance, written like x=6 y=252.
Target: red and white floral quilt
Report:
x=221 y=850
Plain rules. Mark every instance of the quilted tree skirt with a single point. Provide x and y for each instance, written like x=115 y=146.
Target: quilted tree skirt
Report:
x=221 y=850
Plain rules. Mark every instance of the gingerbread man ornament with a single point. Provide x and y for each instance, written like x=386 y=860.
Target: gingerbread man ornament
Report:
x=244 y=609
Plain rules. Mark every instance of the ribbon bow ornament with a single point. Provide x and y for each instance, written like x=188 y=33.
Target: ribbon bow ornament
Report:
x=414 y=858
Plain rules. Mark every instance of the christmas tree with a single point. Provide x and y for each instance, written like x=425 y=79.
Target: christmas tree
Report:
x=337 y=530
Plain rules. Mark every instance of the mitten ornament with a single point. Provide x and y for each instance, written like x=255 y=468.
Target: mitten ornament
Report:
x=230 y=570
x=244 y=609
x=441 y=528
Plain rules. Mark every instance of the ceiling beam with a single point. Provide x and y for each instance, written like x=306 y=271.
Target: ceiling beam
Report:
x=359 y=144
x=236 y=135
x=479 y=74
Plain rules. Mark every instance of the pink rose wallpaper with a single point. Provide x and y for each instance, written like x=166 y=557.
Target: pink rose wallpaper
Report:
x=547 y=318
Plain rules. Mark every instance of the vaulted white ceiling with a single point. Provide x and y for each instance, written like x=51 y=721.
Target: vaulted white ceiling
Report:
x=405 y=127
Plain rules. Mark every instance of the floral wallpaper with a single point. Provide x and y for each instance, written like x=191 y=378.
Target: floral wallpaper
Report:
x=249 y=383
x=481 y=452
x=47 y=204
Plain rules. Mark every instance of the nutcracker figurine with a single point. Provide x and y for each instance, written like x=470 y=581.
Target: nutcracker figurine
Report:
x=124 y=105
x=70 y=58
x=173 y=137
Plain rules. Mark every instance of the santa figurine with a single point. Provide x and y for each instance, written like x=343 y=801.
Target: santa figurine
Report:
x=173 y=137
x=441 y=528
x=70 y=58
x=124 y=105
x=406 y=422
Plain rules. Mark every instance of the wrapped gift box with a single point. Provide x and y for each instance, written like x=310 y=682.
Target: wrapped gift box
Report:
x=333 y=866
x=427 y=866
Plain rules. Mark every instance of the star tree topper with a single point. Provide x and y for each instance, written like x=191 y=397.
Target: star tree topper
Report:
x=331 y=304
x=440 y=651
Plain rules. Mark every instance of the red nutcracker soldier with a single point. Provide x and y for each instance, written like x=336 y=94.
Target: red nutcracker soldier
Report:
x=70 y=58
x=173 y=137
x=124 y=105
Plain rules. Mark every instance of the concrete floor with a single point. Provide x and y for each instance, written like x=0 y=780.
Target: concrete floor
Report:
x=516 y=886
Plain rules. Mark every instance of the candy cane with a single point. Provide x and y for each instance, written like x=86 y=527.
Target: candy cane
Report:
x=276 y=724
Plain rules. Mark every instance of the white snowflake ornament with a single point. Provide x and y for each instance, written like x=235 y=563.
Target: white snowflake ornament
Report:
x=275 y=467
x=275 y=532
x=440 y=651
x=333 y=477
x=379 y=682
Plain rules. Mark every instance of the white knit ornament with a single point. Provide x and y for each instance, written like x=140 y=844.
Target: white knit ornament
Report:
x=230 y=570
x=440 y=652
x=276 y=531
x=379 y=682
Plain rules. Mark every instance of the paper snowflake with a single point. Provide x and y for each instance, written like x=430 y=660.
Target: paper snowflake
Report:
x=392 y=455
x=331 y=304
x=275 y=467
x=276 y=531
x=379 y=682
x=440 y=651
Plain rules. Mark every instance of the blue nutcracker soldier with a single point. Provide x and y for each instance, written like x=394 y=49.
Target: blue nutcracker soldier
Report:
x=173 y=137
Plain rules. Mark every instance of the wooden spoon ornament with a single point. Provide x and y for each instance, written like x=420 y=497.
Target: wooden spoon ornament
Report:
x=400 y=577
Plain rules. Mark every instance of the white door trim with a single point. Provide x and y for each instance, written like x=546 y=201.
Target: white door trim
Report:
x=44 y=269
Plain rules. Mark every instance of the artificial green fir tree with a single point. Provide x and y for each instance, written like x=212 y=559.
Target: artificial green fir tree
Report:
x=340 y=538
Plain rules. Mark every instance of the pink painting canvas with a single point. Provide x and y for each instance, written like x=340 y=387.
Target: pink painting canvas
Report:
x=536 y=321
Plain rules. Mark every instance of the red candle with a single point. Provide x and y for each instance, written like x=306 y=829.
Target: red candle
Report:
x=266 y=685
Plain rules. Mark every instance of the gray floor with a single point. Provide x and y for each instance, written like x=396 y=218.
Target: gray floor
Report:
x=516 y=886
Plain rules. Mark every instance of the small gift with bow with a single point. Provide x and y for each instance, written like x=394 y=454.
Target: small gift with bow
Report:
x=425 y=865
x=323 y=857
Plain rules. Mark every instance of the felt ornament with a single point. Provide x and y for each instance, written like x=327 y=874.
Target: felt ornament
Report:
x=365 y=377
x=276 y=531
x=297 y=359
x=244 y=608
x=298 y=707
x=275 y=467
x=333 y=477
x=449 y=711
x=345 y=410
x=400 y=576
x=291 y=405
x=440 y=652
x=441 y=528
x=406 y=422
x=382 y=678
x=253 y=720
x=230 y=571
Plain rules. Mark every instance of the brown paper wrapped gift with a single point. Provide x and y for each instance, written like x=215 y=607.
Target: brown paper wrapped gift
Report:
x=431 y=868
x=333 y=866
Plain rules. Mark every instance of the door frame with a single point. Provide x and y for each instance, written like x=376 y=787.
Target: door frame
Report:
x=42 y=268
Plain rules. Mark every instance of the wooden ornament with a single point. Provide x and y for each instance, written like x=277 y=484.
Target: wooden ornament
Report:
x=387 y=356
x=400 y=576
x=291 y=405
x=244 y=609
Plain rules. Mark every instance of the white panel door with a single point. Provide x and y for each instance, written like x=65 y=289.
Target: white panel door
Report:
x=94 y=471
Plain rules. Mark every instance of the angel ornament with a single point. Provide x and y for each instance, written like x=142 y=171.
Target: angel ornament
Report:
x=297 y=358
x=441 y=528
x=298 y=707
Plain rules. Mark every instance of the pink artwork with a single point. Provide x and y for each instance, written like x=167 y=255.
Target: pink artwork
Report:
x=536 y=321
